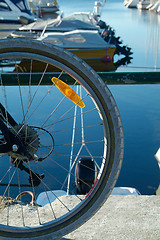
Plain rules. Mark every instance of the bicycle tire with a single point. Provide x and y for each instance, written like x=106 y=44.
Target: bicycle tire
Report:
x=113 y=142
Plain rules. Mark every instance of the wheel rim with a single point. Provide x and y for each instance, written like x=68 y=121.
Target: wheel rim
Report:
x=80 y=143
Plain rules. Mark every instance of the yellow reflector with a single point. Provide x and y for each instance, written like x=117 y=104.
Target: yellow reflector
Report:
x=68 y=92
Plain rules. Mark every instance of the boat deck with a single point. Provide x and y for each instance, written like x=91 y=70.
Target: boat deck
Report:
x=6 y=29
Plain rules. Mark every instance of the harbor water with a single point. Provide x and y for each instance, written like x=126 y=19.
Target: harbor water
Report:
x=139 y=105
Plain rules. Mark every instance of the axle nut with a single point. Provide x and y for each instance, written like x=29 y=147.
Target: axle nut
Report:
x=15 y=148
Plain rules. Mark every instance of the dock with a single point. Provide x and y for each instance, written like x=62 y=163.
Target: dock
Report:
x=123 y=218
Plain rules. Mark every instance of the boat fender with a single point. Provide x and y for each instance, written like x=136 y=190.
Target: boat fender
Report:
x=85 y=175
x=106 y=59
x=24 y=20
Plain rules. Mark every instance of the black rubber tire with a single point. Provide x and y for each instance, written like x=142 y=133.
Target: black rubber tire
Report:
x=113 y=132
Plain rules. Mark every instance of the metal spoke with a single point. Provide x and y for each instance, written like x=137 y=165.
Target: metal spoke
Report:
x=60 y=120
x=4 y=98
x=44 y=97
x=44 y=186
x=38 y=214
x=23 y=121
x=8 y=197
x=66 y=170
x=19 y=186
x=10 y=179
x=19 y=86
x=78 y=143
x=63 y=186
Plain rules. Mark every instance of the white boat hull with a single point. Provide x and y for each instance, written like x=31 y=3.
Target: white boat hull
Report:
x=12 y=13
x=131 y=3
x=143 y=4
x=155 y=6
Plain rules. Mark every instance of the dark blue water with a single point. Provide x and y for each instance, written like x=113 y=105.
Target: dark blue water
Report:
x=139 y=105
x=140 y=112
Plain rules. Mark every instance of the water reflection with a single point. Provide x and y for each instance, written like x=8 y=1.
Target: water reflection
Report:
x=151 y=22
x=140 y=30
x=139 y=108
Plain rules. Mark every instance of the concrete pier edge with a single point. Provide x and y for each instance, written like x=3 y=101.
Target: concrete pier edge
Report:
x=123 y=218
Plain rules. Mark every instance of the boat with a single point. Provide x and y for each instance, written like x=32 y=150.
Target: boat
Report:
x=83 y=38
x=143 y=4
x=125 y=191
x=86 y=44
x=98 y=7
x=155 y=6
x=75 y=21
x=42 y=7
x=158 y=9
x=12 y=11
x=131 y=3
x=82 y=33
x=80 y=37
x=47 y=6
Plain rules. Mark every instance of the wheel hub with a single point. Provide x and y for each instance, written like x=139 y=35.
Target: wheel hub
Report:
x=29 y=136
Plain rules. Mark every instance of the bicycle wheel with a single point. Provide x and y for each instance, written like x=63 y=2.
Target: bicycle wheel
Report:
x=61 y=141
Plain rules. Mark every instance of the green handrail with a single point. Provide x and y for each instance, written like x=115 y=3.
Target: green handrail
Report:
x=108 y=78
